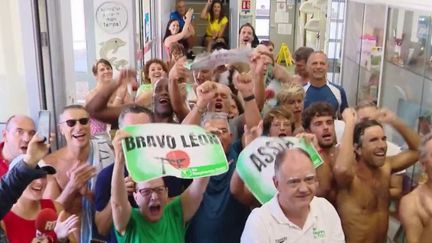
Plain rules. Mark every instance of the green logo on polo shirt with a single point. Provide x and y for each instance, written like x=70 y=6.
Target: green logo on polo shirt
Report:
x=318 y=234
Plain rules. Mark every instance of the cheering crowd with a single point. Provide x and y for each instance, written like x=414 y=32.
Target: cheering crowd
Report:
x=345 y=199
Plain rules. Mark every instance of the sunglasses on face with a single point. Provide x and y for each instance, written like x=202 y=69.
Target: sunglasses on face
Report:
x=73 y=122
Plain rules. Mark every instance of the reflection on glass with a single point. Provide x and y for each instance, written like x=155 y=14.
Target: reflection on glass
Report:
x=407 y=42
x=79 y=36
x=264 y=25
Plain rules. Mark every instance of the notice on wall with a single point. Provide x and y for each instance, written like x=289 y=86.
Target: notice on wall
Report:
x=112 y=17
x=184 y=151
x=284 y=29
x=281 y=17
x=255 y=164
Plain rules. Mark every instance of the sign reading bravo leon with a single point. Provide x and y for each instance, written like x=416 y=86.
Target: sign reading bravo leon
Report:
x=184 y=151
x=255 y=164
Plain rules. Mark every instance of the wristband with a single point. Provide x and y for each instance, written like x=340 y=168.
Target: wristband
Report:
x=249 y=98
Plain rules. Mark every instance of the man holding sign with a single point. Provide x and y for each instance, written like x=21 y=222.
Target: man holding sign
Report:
x=155 y=219
x=294 y=214
x=220 y=211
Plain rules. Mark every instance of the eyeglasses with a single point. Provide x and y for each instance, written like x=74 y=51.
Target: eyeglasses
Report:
x=146 y=192
x=73 y=122
x=295 y=182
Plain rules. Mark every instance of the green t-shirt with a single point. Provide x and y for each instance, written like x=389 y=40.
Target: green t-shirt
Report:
x=169 y=229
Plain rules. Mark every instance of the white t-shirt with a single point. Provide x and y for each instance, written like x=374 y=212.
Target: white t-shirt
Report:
x=268 y=224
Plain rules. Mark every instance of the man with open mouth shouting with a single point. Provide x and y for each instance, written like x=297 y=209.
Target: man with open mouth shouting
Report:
x=156 y=219
x=77 y=164
x=17 y=134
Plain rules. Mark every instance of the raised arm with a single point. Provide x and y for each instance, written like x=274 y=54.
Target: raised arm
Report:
x=184 y=33
x=179 y=105
x=13 y=184
x=98 y=105
x=408 y=157
x=121 y=208
x=191 y=198
x=344 y=164
x=280 y=73
x=237 y=185
x=205 y=12
x=259 y=61
x=205 y=92
x=245 y=85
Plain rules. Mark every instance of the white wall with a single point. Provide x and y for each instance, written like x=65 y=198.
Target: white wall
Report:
x=18 y=73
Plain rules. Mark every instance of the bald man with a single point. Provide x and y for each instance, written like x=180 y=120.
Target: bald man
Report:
x=16 y=136
x=318 y=88
x=294 y=214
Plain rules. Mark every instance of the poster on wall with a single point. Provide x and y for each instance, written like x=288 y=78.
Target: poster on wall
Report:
x=111 y=17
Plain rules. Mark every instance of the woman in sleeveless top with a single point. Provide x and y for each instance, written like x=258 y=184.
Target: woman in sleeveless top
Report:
x=173 y=33
x=103 y=73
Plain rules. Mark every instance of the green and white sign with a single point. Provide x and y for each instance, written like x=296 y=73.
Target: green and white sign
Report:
x=255 y=164
x=185 y=151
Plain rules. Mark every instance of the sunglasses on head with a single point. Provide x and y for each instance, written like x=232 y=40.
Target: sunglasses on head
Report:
x=72 y=122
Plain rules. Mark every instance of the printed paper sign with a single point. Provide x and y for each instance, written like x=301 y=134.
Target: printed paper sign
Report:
x=184 y=151
x=255 y=164
x=220 y=57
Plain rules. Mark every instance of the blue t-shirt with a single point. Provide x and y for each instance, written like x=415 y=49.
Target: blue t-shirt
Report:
x=220 y=217
x=178 y=17
x=330 y=93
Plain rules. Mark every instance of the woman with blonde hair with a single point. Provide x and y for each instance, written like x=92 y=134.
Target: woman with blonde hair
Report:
x=292 y=96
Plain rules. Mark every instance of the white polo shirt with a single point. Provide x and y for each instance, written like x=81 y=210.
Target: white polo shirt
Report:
x=268 y=224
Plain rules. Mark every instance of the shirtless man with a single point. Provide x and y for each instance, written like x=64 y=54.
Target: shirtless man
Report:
x=416 y=207
x=75 y=164
x=318 y=119
x=362 y=173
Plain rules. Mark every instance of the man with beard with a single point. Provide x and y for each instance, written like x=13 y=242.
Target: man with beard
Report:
x=318 y=88
x=318 y=119
x=76 y=164
x=17 y=134
x=157 y=219
x=362 y=173
x=220 y=218
x=416 y=207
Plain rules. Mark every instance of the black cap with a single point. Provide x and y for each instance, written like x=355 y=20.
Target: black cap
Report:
x=48 y=169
